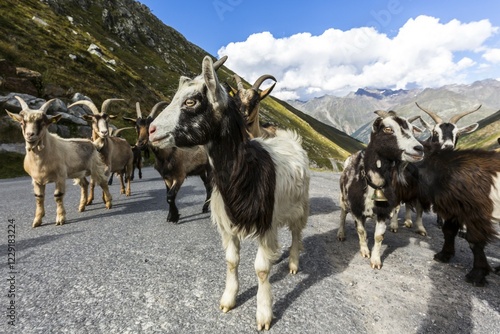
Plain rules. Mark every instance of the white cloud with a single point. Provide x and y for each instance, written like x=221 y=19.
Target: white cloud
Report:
x=492 y=55
x=425 y=52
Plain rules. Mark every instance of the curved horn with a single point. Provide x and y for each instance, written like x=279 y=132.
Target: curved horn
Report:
x=138 y=109
x=117 y=131
x=105 y=104
x=23 y=104
x=156 y=107
x=456 y=118
x=434 y=116
x=87 y=103
x=413 y=119
x=46 y=106
x=219 y=63
x=260 y=80
x=239 y=83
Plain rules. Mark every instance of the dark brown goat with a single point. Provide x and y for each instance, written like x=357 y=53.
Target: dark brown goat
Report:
x=249 y=102
x=173 y=164
x=445 y=135
x=464 y=189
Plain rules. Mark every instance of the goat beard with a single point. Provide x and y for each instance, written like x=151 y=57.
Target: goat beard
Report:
x=35 y=144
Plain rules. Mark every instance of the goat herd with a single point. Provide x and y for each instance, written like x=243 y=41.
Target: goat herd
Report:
x=257 y=177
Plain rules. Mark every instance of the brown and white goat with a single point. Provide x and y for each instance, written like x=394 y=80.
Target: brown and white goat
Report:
x=116 y=152
x=173 y=164
x=50 y=158
x=463 y=187
x=391 y=142
x=445 y=135
x=135 y=150
x=259 y=184
x=249 y=105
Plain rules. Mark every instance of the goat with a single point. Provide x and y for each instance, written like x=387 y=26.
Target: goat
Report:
x=173 y=164
x=464 y=189
x=135 y=150
x=249 y=105
x=446 y=135
x=259 y=184
x=116 y=152
x=368 y=175
x=50 y=158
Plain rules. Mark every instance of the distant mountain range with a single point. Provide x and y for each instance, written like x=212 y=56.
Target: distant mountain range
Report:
x=354 y=113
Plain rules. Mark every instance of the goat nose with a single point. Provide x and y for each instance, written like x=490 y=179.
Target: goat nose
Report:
x=419 y=149
x=152 y=129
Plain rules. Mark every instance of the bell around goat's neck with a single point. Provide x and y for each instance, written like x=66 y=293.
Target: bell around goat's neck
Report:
x=379 y=196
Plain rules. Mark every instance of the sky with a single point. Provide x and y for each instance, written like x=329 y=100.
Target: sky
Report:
x=315 y=48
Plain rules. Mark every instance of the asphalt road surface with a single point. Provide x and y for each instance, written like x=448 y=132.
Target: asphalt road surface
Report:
x=126 y=270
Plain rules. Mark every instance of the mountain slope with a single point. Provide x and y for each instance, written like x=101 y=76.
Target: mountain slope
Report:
x=118 y=48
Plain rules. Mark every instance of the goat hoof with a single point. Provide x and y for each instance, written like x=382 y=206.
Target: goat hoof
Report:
x=263 y=326
x=477 y=277
x=224 y=309
x=394 y=230
x=36 y=223
x=376 y=265
x=422 y=233
x=173 y=218
x=443 y=257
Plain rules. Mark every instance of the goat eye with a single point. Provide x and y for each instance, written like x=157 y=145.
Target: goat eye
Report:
x=190 y=103
x=389 y=131
x=434 y=133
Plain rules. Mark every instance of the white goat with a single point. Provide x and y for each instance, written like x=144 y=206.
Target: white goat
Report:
x=50 y=158
x=259 y=185
x=116 y=152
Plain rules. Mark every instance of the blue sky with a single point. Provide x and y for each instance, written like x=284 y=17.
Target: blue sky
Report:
x=333 y=47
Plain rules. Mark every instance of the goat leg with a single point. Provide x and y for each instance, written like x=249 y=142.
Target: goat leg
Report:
x=481 y=268
x=40 y=203
x=450 y=230
x=59 y=197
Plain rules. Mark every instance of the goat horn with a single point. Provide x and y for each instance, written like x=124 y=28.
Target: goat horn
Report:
x=156 y=107
x=87 y=103
x=239 y=83
x=219 y=63
x=260 y=80
x=117 y=131
x=413 y=119
x=46 y=106
x=138 y=109
x=382 y=113
x=23 y=104
x=455 y=118
x=434 y=116
x=105 y=104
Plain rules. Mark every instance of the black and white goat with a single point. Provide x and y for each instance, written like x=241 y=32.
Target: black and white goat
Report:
x=50 y=158
x=464 y=189
x=259 y=184
x=391 y=142
x=445 y=135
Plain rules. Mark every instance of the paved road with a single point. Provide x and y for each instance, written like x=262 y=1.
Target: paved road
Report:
x=126 y=270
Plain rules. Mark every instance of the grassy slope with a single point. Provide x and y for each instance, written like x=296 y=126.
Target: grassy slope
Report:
x=142 y=73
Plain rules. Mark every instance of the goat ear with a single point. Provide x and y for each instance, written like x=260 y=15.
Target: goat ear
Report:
x=16 y=117
x=112 y=116
x=87 y=117
x=55 y=119
x=425 y=124
x=215 y=91
x=416 y=129
x=468 y=129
